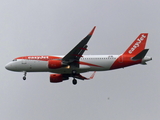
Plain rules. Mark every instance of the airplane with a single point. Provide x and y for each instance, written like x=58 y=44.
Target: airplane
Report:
x=74 y=62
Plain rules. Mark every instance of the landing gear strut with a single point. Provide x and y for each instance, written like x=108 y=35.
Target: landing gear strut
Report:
x=24 y=77
x=74 y=81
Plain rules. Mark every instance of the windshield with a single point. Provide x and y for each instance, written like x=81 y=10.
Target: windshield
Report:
x=14 y=60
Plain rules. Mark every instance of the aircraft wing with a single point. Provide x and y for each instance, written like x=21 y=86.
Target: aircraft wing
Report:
x=76 y=53
x=78 y=76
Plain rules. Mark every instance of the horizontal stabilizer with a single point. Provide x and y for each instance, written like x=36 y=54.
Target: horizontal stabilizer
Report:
x=140 y=55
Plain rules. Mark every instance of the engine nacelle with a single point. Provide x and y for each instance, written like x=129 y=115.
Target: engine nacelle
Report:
x=55 y=78
x=53 y=64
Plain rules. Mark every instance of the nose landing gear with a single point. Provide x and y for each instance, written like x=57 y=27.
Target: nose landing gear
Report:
x=24 y=77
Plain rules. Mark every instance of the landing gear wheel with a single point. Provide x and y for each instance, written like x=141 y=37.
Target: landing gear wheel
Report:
x=74 y=81
x=24 y=78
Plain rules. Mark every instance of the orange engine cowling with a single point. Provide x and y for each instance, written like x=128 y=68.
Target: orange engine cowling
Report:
x=55 y=78
x=53 y=64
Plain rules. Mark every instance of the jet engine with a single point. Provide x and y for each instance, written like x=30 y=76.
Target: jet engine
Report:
x=55 y=78
x=53 y=64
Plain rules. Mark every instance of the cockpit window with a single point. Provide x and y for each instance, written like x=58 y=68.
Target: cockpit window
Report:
x=15 y=60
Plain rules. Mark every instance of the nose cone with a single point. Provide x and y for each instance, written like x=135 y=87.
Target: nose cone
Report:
x=8 y=66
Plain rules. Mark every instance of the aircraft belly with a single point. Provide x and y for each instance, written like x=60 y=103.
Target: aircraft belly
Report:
x=68 y=71
x=100 y=65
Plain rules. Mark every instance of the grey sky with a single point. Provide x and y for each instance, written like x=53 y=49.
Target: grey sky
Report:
x=54 y=27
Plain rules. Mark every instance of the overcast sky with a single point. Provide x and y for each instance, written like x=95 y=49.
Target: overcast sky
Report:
x=54 y=27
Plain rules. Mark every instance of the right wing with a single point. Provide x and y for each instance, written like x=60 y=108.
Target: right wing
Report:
x=72 y=58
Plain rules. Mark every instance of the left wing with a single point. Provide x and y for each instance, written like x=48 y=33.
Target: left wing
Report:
x=76 y=53
x=78 y=76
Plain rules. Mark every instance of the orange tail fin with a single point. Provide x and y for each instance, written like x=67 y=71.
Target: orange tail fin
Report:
x=137 y=46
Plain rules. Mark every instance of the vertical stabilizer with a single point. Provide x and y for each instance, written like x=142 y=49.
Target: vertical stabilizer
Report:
x=137 y=46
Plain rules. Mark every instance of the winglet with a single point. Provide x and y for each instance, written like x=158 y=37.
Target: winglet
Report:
x=91 y=33
x=84 y=78
x=92 y=76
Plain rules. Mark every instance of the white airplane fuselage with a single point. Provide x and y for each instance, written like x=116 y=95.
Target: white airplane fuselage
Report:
x=87 y=63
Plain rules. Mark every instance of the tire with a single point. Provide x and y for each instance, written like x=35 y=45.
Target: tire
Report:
x=24 y=78
x=74 y=81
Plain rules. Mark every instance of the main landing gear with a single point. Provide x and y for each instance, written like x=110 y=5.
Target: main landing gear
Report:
x=74 y=81
x=24 y=77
